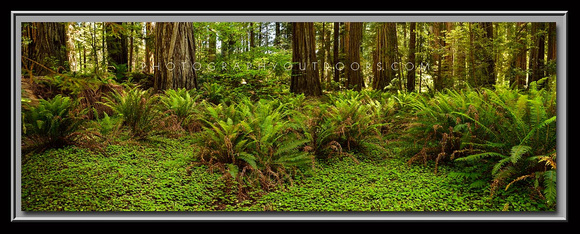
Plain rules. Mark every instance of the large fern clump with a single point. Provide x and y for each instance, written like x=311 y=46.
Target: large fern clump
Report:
x=346 y=122
x=52 y=123
x=253 y=142
x=138 y=109
x=499 y=136
x=181 y=108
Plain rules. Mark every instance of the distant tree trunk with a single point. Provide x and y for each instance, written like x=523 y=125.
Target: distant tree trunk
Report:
x=46 y=47
x=278 y=34
x=212 y=44
x=322 y=53
x=438 y=44
x=252 y=35
x=174 y=56
x=411 y=73
x=384 y=55
x=551 y=70
x=537 y=52
x=473 y=79
x=354 y=79
x=488 y=55
x=448 y=57
x=335 y=48
x=327 y=60
x=149 y=45
x=304 y=77
x=459 y=69
x=117 y=47
x=520 y=63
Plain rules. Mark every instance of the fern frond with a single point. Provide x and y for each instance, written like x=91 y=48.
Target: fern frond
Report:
x=518 y=151
x=537 y=127
x=518 y=179
x=499 y=165
x=477 y=157
x=550 y=189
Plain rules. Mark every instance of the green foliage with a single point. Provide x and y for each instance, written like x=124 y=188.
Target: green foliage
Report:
x=252 y=142
x=137 y=108
x=180 y=103
x=214 y=92
x=353 y=122
x=53 y=122
x=497 y=130
x=107 y=126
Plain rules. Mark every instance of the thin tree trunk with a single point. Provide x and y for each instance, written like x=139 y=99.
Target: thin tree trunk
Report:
x=411 y=73
x=335 y=49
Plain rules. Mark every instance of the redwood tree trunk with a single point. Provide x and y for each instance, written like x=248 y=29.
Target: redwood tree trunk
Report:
x=488 y=58
x=45 y=47
x=411 y=73
x=384 y=56
x=174 y=56
x=305 y=67
x=520 y=63
x=354 y=79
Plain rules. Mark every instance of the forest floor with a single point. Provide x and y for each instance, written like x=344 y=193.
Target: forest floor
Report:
x=158 y=175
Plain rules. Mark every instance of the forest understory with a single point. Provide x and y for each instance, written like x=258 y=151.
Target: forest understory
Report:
x=344 y=151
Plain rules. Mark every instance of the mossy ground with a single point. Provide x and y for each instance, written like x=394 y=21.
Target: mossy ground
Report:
x=158 y=175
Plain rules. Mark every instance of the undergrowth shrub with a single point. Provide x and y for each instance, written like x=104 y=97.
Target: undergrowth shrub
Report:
x=252 y=142
x=52 y=123
x=181 y=105
x=348 y=121
x=137 y=108
x=499 y=136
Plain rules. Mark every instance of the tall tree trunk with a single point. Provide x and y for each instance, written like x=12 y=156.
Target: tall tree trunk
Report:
x=385 y=55
x=131 y=39
x=473 y=79
x=551 y=70
x=459 y=69
x=411 y=73
x=149 y=45
x=252 y=35
x=212 y=44
x=174 y=56
x=354 y=79
x=520 y=63
x=537 y=52
x=489 y=76
x=438 y=44
x=304 y=77
x=448 y=57
x=335 y=49
x=46 y=48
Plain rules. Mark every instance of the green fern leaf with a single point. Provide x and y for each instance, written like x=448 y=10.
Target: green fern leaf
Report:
x=550 y=191
x=517 y=152
x=476 y=157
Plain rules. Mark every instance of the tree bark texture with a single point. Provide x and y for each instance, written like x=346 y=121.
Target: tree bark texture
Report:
x=384 y=55
x=304 y=78
x=335 y=50
x=488 y=55
x=354 y=79
x=174 y=56
x=411 y=73
x=46 y=47
x=521 y=58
